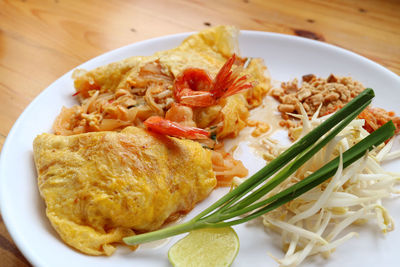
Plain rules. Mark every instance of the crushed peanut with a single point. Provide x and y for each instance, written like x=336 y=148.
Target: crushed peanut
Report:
x=329 y=93
x=261 y=127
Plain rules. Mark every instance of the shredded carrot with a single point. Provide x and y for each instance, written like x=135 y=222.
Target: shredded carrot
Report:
x=376 y=117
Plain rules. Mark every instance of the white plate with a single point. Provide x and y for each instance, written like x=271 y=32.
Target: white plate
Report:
x=287 y=57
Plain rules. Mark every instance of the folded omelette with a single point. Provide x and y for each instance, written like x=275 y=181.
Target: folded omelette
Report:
x=102 y=186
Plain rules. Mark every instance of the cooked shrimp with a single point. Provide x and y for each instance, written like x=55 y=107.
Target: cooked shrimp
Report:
x=180 y=114
x=195 y=88
x=167 y=127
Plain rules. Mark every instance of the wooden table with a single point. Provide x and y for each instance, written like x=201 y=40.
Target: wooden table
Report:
x=41 y=40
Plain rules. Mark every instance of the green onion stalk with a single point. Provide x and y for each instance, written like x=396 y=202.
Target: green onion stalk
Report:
x=242 y=203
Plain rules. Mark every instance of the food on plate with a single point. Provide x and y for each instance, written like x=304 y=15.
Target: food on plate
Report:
x=203 y=83
x=171 y=128
x=113 y=167
x=375 y=117
x=318 y=221
x=204 y=78
x=205 y=247
x=253 y=198
x=100 y=187
x=260 y=127
x=315 y=92
x=323 y=96
x=145 y=143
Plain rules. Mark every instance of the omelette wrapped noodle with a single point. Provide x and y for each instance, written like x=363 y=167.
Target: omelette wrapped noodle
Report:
x=127 y=92
x=318 y=221
x=102 y=186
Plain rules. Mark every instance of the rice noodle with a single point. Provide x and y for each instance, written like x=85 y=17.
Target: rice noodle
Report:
x=149 y=98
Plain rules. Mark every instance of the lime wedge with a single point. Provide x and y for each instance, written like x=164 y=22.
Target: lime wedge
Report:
x=205 y=247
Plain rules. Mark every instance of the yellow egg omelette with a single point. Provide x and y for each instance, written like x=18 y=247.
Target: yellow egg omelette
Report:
x=100 y=187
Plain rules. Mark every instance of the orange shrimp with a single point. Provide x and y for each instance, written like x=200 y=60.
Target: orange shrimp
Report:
x=195 y=88
x=167 y=127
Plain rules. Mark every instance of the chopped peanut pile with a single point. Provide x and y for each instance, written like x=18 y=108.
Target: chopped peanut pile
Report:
x=330 y=94
x=313 y=92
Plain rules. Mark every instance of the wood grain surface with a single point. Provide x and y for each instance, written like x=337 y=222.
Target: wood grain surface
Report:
x=41 y=40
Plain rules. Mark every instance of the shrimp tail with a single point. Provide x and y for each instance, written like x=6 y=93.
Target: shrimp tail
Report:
x=195 y=88
x=238 y=86
x=228 y=82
